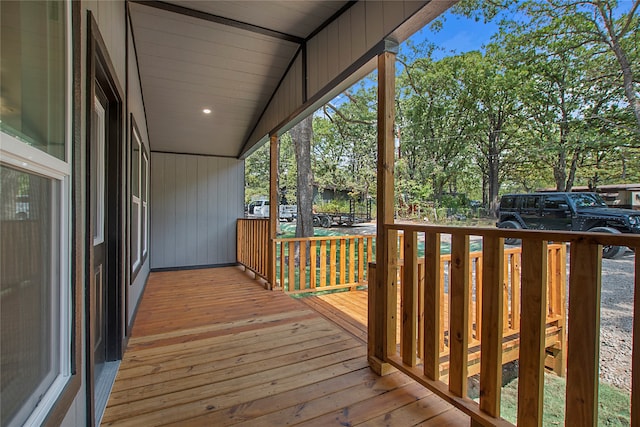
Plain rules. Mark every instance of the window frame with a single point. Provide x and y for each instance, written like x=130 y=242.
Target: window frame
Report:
x=56 y=400
x=145 y=205
x=138 y=259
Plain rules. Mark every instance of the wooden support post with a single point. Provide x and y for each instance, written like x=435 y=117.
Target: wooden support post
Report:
x=459 y=315
x=532 y=332
x=273 y=210
x=583 y=334
x=384 y=297
x=491 y=344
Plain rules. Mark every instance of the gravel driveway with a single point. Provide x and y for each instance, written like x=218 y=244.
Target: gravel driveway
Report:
x=616 y=324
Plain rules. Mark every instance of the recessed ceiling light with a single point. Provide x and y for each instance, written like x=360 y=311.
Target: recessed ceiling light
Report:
x=206 y=111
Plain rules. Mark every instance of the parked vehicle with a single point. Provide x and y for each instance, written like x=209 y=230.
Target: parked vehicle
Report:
x=260 y=209
x=327 y=219
x=568 y=212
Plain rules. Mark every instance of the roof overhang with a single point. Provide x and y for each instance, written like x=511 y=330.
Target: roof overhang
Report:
x=259 y=66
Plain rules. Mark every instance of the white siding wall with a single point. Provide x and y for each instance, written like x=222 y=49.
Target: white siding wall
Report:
x=110 y=16
x=195 y=202
x=136 y=108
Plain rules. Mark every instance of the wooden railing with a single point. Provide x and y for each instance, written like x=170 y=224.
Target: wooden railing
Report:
x=421 y=320
x=512 y=269
x=315 y=264
x=253 y=245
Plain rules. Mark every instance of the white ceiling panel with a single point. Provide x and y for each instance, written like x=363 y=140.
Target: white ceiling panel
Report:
x=188 y=64
x=298 y=18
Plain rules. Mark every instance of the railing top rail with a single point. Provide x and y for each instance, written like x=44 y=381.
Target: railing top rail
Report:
x=630 y=240
x=319 y=238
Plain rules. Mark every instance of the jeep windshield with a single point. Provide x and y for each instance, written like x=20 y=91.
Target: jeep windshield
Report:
x=587 y=200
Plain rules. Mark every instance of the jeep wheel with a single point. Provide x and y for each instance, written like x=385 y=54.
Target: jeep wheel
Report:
x=610 y=252
x=512 y=225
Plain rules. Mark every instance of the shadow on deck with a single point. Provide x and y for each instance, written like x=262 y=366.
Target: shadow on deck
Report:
x=212 y=347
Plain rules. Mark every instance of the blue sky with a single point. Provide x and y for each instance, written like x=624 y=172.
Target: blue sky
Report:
x=458 y=34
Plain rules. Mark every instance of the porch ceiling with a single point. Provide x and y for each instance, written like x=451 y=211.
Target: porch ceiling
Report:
x=227 y=56
x=257 y=65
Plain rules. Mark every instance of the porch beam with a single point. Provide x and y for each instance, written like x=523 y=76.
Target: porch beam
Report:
x=193 y=13
x=385 y=296
x=273 y=208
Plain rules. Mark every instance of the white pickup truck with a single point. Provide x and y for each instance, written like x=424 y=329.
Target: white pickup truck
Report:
x=260 y=209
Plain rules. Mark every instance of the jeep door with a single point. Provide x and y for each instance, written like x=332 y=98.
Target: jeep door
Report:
x=530 y=210
x=556 y=213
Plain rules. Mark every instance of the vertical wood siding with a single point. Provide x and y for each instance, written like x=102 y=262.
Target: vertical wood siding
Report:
x=195 y=202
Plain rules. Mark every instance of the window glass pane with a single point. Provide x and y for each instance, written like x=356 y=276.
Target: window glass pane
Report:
x=554 y=202
x=135 y=167
x=532 y=202
x=145 y=222
x=98 y=171
x=29 y=291
x=33 y=73
x=135 y=233
x=143 y=177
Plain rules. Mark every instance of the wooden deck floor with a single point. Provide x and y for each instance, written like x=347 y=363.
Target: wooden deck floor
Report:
x=213 y=348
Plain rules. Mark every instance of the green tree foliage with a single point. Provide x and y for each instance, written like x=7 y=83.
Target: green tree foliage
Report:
x=256 y=174
x=345 y=142
x=551 y=101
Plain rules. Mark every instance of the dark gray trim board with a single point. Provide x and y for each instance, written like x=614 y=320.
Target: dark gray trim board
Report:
x=194 y=267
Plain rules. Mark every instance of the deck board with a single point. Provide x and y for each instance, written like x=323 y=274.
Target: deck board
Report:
x=212 y=347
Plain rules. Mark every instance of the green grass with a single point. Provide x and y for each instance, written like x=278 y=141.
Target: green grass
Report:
x=613 y=410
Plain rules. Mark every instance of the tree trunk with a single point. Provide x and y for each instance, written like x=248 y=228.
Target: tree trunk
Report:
x=301 y=135
x=572 y=171
x=494 y=184
x=625 y=66
x=493 y=172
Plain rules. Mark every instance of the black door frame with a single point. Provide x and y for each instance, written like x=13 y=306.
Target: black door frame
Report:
x=100 y=71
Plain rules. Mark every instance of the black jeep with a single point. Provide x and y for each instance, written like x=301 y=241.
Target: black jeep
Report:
x=568 y=212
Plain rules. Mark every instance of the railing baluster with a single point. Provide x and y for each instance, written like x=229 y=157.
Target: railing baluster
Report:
x=332 y=262
x=583 y=334
x=323 y=263
x=302 y=265
x=532 y=332
x=459 y=318
x=479 y=297
x=282 y=264
x=409 y=302
x=515 y=290
x=343 y=260
x=292 y=266
x=420 y=316
x=432 y=306
x=352 y=261
x=491 y=344
x=507 y=322
x=443 y=301
x=470 y=288
x=313 y=275
x=361 y=260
